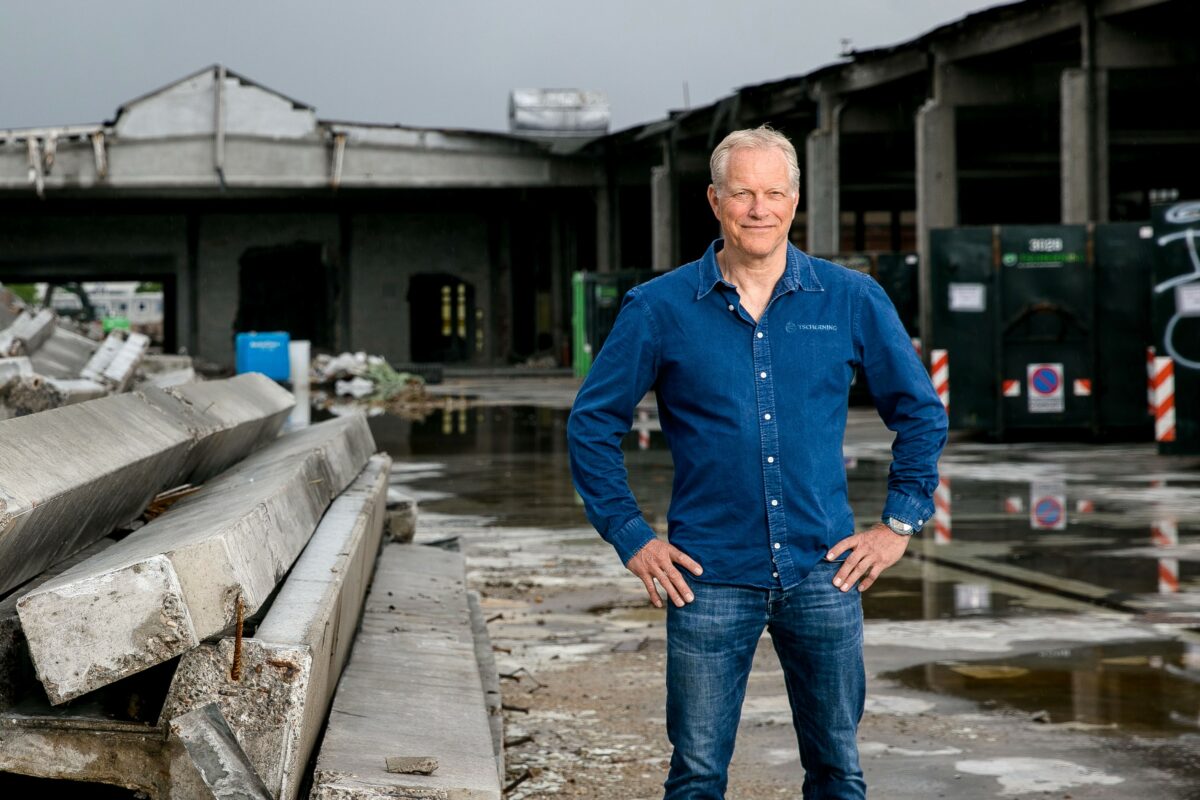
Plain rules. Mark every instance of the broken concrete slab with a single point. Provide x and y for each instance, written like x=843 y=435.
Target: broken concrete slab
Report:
x=183 y=577
x=34 y=394
x=217 y=756
x=64 y=354
x=27 y=333
x=287 y=671
x=15 y=367
x=412 y=688
x=71 y=475
x=120 y=371
x=165 y=380
x=402 y=515
x=108 y=349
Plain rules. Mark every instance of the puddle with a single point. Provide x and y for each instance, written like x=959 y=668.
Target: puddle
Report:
x=1145 y=688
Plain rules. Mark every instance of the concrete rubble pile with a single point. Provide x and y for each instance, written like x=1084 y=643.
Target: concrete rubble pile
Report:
x=200 y=655
x=45 y=365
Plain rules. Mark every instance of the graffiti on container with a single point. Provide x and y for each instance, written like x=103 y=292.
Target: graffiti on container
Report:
x=1187 y=285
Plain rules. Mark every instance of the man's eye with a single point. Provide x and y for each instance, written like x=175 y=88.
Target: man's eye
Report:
x=777 y=195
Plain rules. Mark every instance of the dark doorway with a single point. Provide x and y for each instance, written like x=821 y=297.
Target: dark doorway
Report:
x=442 y=318
x=288 y=288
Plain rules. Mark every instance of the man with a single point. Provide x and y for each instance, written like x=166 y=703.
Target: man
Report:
x=750 y=352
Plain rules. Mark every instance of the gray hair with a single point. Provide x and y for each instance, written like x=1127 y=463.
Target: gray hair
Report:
x=761 y=137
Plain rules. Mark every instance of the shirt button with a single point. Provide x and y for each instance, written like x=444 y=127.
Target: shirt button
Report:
x=777 y=545
x=774 y=574
x=766 y=416
x=760 y=334
x=762 y=374
x=770 y=459
x=774 y=502
x=731 y=306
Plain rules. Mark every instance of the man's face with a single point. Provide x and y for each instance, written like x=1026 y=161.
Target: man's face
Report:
x=757 y=203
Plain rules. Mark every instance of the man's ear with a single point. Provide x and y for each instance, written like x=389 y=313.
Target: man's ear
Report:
x=712 y=200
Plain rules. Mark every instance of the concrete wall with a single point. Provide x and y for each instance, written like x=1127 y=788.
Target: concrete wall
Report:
x=388 y=249
x=223 y=238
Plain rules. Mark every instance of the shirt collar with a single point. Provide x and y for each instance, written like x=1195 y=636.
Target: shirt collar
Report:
x=798 y=274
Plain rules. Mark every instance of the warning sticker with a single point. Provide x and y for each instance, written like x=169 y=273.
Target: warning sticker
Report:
x=1048 y=506
x=1045 y=383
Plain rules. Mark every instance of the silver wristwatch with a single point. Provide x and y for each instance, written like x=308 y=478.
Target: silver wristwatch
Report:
x=902 y=528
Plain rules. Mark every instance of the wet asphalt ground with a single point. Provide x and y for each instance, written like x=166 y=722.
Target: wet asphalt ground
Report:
x=1042 y=639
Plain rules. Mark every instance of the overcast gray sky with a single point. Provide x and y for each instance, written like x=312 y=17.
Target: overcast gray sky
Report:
x=445 y=63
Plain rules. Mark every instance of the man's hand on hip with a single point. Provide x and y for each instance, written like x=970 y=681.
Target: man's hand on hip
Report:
x=656 y=562
x=875 y=549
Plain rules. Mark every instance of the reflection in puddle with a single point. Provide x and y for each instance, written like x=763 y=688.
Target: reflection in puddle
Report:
x=1145 y=688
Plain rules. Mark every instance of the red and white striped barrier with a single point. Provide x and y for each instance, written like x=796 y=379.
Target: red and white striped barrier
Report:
x=1010 y=388
x=916 y=343
x=1150 y=380
x=643 y=429
x=1014 y=504
x=941 y=512
x=1083 y=387
x=1165 y=533
x=939 y=370
x=1085 y=506
x=1163 y=385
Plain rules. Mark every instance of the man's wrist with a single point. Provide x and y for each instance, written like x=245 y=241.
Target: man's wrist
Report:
x=899 y=526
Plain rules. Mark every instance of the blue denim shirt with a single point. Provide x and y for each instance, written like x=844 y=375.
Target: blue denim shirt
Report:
x=754 y=414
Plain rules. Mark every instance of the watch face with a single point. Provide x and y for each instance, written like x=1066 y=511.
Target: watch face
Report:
x=898 y=526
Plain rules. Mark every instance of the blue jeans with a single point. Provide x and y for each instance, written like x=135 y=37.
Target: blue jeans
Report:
x=817 y=633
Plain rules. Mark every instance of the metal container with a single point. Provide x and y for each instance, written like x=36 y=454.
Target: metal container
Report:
x=897 y=274
x=1175 y=372
x=595 y=301
x=1041 y=328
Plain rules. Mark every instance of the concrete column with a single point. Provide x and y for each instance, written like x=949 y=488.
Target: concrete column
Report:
x=1084 y=142
x=937 y=190
x=604 y=229
x=662 y=225
x=822 y=181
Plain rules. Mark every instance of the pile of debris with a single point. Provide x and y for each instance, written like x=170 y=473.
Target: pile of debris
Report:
x=196 y=652
x=357 y=382
x=44 y=365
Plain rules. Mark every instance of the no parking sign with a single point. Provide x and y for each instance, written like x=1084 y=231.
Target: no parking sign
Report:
x=1045 y=383
x=1048 y=506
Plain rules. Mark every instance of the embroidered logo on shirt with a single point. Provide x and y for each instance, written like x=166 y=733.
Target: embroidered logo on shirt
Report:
x=792 y=327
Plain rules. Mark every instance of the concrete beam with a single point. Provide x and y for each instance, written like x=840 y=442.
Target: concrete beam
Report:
x=1021 y=27
x=279 y=700
x=71 y=475
x=27 y=333
x=102 y=357
x=120 y=371
x=183 y=577
x=412 y=688
x=662 y=219
x=36 y=393
x=16 y=670
x=856 y=75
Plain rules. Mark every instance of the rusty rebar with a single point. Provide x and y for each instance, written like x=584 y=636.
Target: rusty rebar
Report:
x=236 y=672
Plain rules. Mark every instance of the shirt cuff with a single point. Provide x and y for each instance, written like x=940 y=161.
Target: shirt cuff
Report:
x=631 y=537
x=907 y=509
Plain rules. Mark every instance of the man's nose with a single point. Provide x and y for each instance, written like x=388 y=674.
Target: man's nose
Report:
x=759 y=207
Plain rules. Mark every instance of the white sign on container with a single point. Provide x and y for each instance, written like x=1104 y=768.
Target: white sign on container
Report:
x=968 y=297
